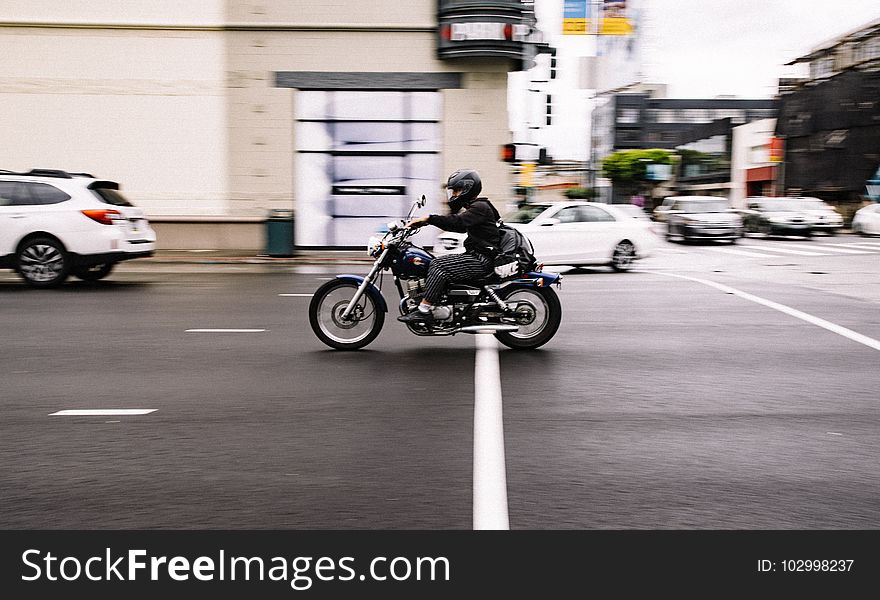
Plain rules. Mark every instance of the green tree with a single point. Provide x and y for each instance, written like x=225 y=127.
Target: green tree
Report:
x=629 y=167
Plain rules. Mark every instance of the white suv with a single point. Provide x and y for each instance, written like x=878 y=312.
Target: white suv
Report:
x=54 y=224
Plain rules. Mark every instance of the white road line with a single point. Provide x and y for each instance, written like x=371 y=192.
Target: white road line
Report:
x=741 y=252
x=784 y=250
x=296 y=295
x=490 y=473
x=828 y=248
x=859 y=245
x=225 y=330
x=832 y=327
x=102 y=412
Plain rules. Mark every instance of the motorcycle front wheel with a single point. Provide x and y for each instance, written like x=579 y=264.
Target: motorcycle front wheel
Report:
x=540 y=318
x=325 y=316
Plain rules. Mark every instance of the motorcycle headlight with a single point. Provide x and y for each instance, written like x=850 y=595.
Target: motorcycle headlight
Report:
x=375 y=245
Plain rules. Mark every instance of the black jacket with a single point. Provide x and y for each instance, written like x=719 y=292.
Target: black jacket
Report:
x=479 y=222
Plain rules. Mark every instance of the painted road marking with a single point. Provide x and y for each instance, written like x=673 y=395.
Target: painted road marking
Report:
x=783 y=250
x=828 y=248
x=296 y=295
x=103 y=412
x=741 y=252
x=490 y=473
x=832 y=327
x=225 y=330
x=859 y=246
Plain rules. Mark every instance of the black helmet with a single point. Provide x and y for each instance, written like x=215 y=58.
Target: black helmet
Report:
x=467 y=181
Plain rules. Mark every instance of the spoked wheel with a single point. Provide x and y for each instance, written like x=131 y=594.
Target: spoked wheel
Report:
x=325 y=316
x=538 y=315
x=623 y=256
x=42 y=262
x=93 y=272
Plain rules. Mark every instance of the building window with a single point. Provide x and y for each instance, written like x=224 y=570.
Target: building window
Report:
x=628 y=115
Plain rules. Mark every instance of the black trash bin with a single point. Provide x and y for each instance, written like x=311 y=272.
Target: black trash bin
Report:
x=279 y=233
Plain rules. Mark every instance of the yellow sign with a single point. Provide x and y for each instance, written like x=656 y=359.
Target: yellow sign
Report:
x=614 y=17
x=576 y=17
x=525 y=174
x=616 y=27
x=575 y=26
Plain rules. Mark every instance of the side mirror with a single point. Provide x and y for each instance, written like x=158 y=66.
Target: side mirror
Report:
x=421 y=201
x=550 y=222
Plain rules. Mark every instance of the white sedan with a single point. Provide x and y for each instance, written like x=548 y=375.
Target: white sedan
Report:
x=867 y=220
x=574 y=234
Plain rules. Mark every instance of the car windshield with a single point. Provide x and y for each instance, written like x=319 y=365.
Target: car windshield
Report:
x=525 y=214
x=704 y=206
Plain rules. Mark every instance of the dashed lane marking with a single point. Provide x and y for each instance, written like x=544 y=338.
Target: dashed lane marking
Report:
x=783 y=250
x=741 y=252
x=102 y=412
x=225 y=330
x=490 y=472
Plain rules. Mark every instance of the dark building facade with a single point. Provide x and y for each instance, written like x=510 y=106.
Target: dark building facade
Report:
x=830 y=122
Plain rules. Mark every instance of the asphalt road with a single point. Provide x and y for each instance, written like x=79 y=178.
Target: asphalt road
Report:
x=661 y=403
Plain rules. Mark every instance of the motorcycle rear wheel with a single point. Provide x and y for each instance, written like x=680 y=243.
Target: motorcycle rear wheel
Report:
x=325 y=316
x=547 y=319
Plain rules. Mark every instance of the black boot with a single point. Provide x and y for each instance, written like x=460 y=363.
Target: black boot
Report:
x=417 y=316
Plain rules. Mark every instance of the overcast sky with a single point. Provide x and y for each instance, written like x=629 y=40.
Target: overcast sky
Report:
x=699 y=48
x=706 y=48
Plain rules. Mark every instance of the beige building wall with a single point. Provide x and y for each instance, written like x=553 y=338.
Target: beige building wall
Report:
x=129 y=91
x=177 y=100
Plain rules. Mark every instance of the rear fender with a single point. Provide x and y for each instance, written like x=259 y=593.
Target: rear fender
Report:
x=533 y=279
x=372 y=290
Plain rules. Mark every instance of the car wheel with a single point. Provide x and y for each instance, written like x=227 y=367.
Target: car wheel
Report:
x=766 y=229
x=43 y=263
x=93 y=272
x=623 y=256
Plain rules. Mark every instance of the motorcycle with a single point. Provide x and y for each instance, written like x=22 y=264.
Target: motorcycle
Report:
x=348 y=312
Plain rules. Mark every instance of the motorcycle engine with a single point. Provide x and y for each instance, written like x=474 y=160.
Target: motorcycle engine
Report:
x=415 y=288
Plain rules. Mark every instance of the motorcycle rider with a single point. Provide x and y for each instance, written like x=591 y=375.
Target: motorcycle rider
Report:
x=479 y=221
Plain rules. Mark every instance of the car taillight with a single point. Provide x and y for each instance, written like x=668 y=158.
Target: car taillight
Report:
x=104 y=216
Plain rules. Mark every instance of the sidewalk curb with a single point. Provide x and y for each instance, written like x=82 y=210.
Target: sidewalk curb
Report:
x=253 y=260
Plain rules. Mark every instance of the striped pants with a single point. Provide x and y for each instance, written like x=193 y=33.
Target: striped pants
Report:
x=454 y=268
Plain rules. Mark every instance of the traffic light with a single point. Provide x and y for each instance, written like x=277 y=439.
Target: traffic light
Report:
x=508 y=153
x=549 y=120
x=552 y=63
x=543 y=157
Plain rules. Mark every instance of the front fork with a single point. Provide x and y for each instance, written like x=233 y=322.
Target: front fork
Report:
x=368 y=280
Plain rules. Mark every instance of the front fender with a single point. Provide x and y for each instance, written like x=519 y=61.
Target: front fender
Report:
x=372 y=290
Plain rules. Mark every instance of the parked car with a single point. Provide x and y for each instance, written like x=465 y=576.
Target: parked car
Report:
x=575 y=233
x=703 y=218
x=866 y=221
x=54 y=224
x=825 y=218
x=660 y=211
x=776 y=216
